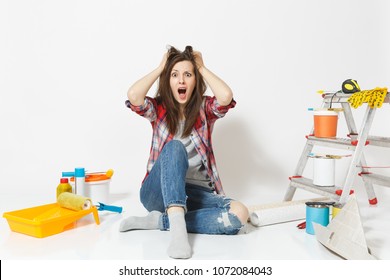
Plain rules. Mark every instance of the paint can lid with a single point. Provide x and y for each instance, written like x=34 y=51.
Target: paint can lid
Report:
x=94 y=177
x=319 y=204
x=325 y=113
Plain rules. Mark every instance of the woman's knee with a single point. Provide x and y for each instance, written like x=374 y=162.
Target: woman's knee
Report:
x=175 y=145
x=240 y=210
x=175 y=148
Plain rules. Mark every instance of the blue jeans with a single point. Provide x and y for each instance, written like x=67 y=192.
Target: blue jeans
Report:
x=165 y=186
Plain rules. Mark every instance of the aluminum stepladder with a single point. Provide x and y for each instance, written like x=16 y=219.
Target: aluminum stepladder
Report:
x=356 y=143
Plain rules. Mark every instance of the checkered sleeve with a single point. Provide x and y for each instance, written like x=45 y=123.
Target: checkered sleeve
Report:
x=216 y=111
x=146 y=110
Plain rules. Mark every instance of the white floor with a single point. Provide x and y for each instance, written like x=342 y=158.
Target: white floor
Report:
x=89 y=241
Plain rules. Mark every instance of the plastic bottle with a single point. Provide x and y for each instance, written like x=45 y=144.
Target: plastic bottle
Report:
x=79 y=178
x=64 y=186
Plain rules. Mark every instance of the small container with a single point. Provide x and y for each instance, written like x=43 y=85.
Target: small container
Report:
x=96 y=187
x=324 y=172
x=64 y=186
x=336 y=209
x=316 y=213
x=79 y=174
x=325 y=123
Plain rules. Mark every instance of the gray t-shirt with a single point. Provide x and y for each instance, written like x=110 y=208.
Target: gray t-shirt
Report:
x=197 y=172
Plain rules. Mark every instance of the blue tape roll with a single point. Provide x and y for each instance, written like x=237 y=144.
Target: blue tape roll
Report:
x=318 y=214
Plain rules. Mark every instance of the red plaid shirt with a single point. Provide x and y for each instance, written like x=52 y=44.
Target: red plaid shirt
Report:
x=209 y=112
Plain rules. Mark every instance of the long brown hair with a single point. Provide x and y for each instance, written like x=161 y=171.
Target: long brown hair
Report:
x=165 y=94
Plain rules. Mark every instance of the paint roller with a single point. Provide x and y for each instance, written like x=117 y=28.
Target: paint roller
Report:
x=77 y=202
x=108 y=173
x=74 y=202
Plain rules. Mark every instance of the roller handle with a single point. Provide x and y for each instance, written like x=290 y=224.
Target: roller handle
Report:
x=68 y=174
x=79 y=172
x=111 y=208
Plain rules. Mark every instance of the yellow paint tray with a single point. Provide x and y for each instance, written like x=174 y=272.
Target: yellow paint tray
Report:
x=45 y=220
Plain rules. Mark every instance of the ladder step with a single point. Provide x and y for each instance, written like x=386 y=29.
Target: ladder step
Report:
x=307 y=184
x=376 y=179
x=341 y=143
x=375 y=140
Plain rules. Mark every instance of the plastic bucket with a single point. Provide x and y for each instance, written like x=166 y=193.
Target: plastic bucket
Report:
x=325 y=123
x=96 y=187
x=316 y=214
x=324 y=172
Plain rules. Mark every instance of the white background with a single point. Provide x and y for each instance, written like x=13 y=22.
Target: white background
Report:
x=65 y=67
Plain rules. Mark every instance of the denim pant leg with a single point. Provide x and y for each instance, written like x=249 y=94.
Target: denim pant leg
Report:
x=165 y=184
x=208 y=213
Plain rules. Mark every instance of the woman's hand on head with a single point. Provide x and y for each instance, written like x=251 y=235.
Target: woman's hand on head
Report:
x=163 y=61
x=198 y=60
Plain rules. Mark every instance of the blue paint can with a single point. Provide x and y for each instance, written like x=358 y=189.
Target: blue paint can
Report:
x=317 y=213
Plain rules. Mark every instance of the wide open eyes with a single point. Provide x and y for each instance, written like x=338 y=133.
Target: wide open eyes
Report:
x=186 y=74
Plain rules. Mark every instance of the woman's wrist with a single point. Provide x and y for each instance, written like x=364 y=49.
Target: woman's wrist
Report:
x=160 y=68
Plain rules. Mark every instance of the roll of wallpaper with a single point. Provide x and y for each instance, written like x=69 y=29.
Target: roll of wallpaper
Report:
x=281 y=212
x=74 y=201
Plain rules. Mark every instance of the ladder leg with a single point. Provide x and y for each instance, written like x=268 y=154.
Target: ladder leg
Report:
x=349 y=118
x=368 y=185
x=353 y=131
x=289 y=193
x=299 y=170
x=357 y=155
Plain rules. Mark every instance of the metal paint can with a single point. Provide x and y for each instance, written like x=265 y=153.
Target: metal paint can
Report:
x=316 y=213
x=336 y=209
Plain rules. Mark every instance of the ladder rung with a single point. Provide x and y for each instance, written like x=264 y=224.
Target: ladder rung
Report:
x=376 y=179
x=342 y=143
x=375 y=140
x=307 y=184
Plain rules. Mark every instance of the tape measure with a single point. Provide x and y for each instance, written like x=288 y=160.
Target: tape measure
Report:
x=350 y=86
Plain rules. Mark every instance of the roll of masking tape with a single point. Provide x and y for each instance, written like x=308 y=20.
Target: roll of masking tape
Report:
x=74 y=201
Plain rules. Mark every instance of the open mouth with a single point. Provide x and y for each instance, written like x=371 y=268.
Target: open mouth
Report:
x=182 y=90
x=182 y=93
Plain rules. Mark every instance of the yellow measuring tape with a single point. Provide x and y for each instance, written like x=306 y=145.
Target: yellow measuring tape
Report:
x=373 y=97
